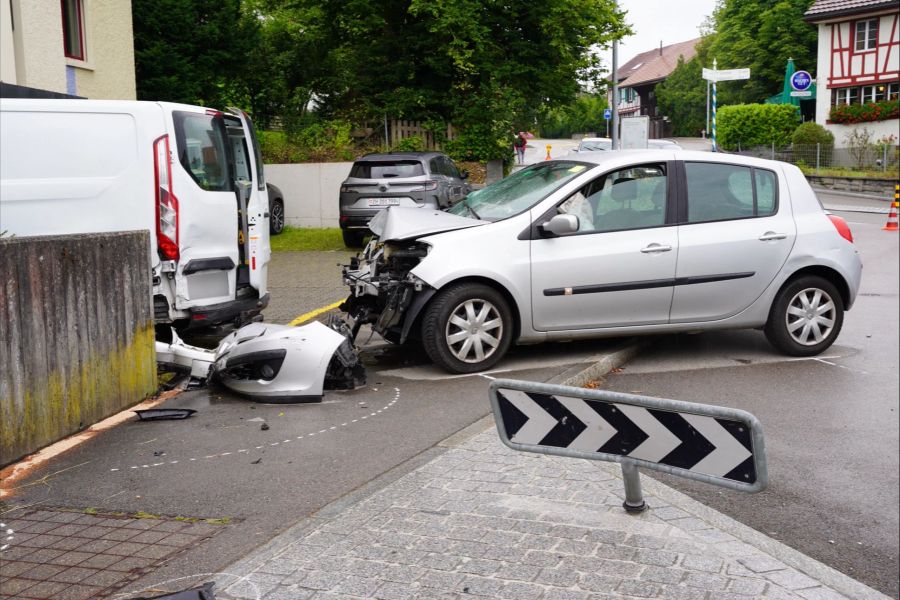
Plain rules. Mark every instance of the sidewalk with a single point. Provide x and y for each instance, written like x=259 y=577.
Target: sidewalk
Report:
x=473 y=518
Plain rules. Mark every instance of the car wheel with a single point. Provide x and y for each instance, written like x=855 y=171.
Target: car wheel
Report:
x=353 y=239
x=467 y=328
x=276 y=217
x=806 y=317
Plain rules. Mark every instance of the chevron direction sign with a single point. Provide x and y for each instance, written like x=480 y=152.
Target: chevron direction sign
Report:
x=717 y=445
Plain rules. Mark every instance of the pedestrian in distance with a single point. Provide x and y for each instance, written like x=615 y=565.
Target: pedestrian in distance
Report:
x=519 y=146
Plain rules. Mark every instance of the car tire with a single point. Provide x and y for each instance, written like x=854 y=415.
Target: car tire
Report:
x=276 y=217
x=806 y=317
x=445 y=338
x=353 y=239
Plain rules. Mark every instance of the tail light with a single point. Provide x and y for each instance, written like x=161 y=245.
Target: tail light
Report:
x=166 y=202
x=427 y=186
x=348 y=189
x=842 y=228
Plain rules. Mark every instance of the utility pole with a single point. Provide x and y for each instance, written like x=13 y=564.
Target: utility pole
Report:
x=615 y=95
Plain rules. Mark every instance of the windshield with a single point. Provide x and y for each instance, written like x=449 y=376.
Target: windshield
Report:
x=518 y=192
x=593 y=145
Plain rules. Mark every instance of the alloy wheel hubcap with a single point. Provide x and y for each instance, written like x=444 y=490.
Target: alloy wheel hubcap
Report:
x=474 y=330
x=810 y=316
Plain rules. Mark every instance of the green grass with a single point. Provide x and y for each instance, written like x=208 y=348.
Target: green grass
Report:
x=891 y=172
x=294 y=239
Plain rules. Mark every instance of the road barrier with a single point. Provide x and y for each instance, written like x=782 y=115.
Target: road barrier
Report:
x=713 y=444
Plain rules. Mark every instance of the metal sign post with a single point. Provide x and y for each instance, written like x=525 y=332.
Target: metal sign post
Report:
x=714 y=444
x=607 y=115
x=714 y=75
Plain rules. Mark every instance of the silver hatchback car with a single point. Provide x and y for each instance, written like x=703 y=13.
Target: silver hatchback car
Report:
x=610 y=244
x=406 y=179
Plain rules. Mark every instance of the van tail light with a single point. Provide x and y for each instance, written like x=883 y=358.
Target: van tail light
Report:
x=842 y=228
x=166 y=202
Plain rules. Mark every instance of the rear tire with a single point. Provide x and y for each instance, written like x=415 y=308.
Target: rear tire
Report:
x=353 y=239
x=276 y=217
x=467 y=328
x=806 y=317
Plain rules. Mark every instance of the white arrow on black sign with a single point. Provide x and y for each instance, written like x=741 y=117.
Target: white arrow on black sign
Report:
x=708 y=445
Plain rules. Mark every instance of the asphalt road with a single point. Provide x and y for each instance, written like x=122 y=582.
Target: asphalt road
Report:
x=831 y=430
x=831 y=423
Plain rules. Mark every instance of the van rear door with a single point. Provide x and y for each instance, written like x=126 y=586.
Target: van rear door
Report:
x=258 y=250
x=207 y=226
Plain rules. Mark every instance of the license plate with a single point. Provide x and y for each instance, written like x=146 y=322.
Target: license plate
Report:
x=384 y=201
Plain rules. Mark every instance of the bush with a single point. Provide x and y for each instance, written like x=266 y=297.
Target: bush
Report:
x=747 y=125
x=413 y=143
x=864 y=113
x=811 y=133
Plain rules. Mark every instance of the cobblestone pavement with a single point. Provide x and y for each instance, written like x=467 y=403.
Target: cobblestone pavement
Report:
x=480 y=520
x=63 y=554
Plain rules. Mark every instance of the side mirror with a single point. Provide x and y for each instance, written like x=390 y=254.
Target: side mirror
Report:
x=464 y=174
x=561 y=225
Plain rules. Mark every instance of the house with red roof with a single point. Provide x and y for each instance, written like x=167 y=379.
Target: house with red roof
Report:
x=858 y=77
x=639 y=77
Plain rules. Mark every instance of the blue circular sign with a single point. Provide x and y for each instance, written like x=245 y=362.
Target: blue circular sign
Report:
x=801 y=81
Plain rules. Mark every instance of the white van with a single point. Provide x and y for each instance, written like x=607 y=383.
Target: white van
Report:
x=191 y=176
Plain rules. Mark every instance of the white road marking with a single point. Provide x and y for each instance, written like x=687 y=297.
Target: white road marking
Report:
x=244 y=450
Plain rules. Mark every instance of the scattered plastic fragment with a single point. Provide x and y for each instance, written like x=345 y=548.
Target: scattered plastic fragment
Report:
x=159 y=414
x=204 y=592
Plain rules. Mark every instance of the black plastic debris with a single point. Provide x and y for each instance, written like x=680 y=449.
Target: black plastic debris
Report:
x=162 y=414
x=204 y=592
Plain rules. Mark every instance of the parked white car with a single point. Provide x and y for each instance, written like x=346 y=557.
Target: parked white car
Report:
x=191 y=176
x=610 y=244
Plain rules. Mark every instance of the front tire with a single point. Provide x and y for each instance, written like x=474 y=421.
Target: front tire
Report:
x=806 y=317
x=467 y=328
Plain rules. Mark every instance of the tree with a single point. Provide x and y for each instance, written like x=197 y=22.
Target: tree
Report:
x=761 y=35
x=189 y=50
x=682 y=98
x=583 y=115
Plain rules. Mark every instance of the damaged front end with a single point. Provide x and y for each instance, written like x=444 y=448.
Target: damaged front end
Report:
x=383 y=291
x=273 y=363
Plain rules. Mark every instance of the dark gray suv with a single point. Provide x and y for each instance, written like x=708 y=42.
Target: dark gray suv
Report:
x=409 y=179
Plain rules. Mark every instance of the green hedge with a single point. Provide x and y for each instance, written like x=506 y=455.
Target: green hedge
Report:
x=864 y=113
x=748 y=125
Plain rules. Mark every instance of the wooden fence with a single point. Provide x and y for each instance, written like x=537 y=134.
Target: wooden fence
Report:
x=399 y=129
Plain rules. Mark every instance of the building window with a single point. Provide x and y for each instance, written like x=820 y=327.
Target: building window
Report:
x=893 y=91
x=866 y=35
x=844 y=96
x=73 y=28
x=873 y=93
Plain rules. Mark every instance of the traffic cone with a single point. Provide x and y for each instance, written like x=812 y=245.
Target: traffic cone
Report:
x=548 y=153
x=892 y=215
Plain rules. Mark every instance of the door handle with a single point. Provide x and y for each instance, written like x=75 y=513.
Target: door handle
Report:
x=770 y=236
x=655 y=249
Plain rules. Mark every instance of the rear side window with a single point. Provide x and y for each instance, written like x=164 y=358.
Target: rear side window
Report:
x=450 y=169
x=202 y=151
x=386 y=169
x=718 y=192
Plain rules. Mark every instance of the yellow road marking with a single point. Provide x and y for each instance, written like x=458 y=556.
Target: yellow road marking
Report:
x=314 y=313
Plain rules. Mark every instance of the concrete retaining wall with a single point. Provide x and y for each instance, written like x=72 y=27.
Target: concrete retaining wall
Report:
x=879 y=187
x=76 y=334
x=311 y=192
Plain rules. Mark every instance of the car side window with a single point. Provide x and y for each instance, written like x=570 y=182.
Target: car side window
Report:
x=435 y=166
x=720 y=192
x=630 y=198
x=765 y=192
x=450 y=169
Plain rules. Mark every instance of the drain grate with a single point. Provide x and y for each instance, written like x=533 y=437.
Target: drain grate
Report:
x=67 y=554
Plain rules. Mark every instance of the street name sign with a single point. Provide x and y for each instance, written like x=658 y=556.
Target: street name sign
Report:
x=714 y=444
x=725 y=74
x=801 y=94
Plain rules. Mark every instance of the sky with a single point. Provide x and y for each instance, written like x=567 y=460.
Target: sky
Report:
x=671 y=21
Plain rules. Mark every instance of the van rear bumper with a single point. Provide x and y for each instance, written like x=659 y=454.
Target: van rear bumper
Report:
x=240 y=312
